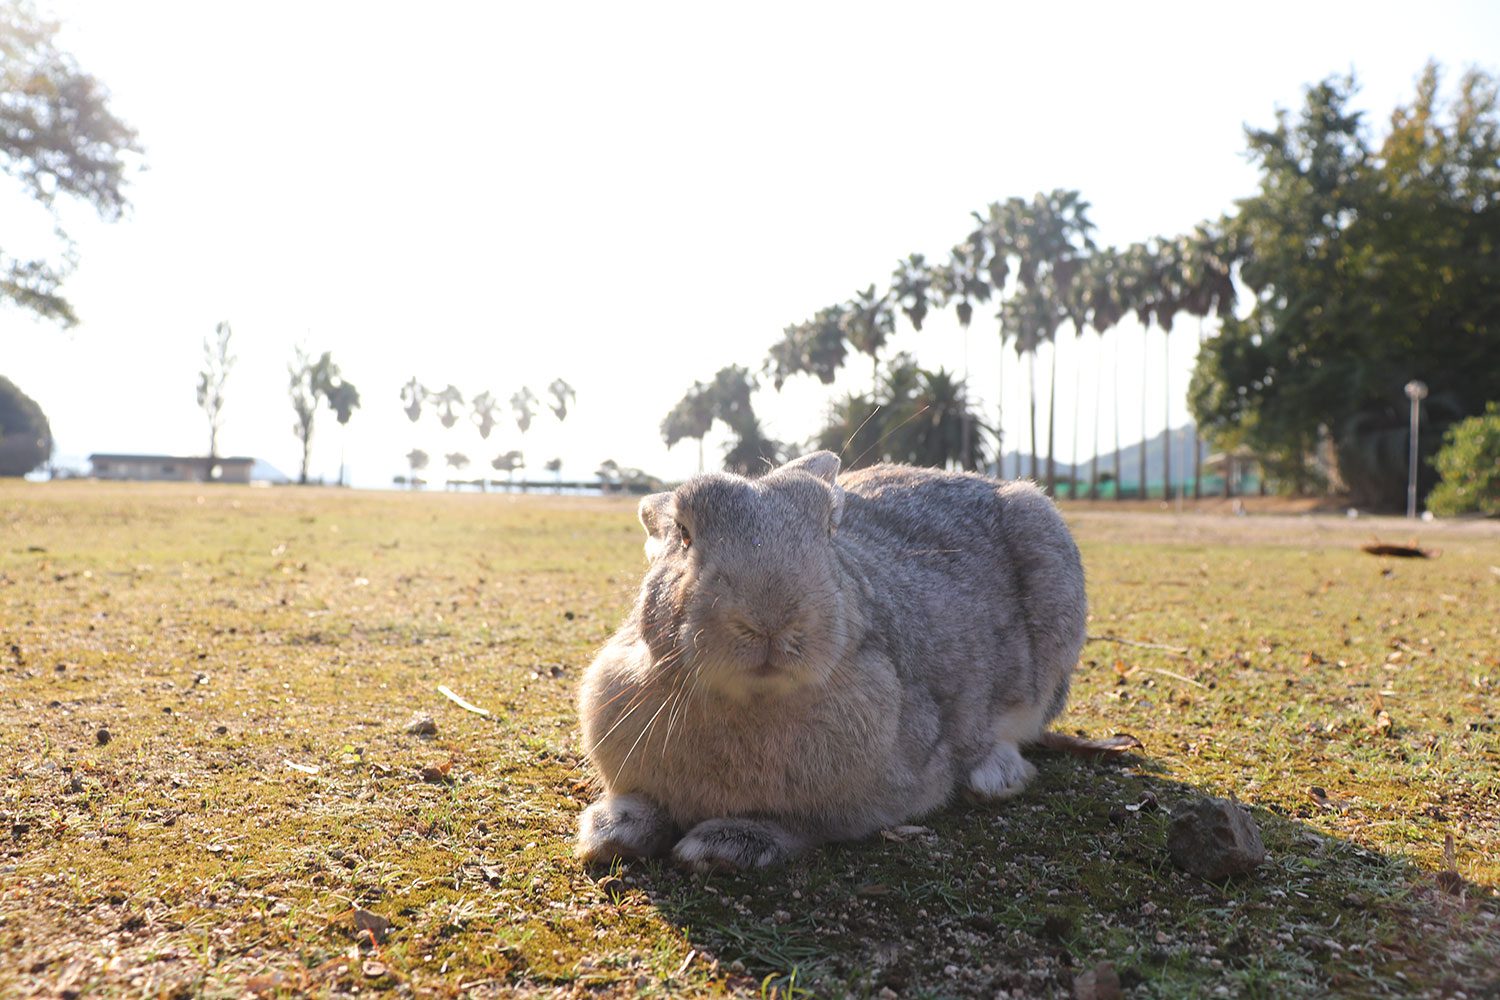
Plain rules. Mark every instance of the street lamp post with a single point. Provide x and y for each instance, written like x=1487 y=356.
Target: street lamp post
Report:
x=1416 y=391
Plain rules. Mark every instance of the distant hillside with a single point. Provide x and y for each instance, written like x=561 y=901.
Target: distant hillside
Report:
x=1182 y=462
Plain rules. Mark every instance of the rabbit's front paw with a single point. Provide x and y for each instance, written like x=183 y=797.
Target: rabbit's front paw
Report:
x=728 y=844
x=623 y=826
x=1002 y=774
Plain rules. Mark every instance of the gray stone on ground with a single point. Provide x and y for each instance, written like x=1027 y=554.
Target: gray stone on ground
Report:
x=1215 y=839
x=421 y=725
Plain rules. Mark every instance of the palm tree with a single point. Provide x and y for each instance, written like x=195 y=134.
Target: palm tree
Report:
x=692 y=417
x=554 y=466
x=523 y=404
x=867 y=322
x=963 y=282
x=447 y=403
x=413 y=394
x=562 y=397
x=813 y=347
x=853 y=430
x=1098 y=287
x=1169 y=288
x=484 y=410
x=1207 y=257
x=939 y=433
x=1138 y=290
x=911 y=288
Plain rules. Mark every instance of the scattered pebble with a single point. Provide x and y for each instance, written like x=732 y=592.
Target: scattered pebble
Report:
x=1101 y=982
x=421 y=725
x=102 y=736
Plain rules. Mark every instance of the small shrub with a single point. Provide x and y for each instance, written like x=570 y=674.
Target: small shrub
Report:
x=1469 y=463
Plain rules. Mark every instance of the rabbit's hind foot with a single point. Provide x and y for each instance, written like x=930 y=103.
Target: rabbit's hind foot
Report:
x=731 y=844
x=1002 y=774
x=623 y=826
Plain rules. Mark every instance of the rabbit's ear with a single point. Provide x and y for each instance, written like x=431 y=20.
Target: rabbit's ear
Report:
x=823 y=464
x=655 y=512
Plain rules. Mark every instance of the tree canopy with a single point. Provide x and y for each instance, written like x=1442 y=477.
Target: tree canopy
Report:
x=58 y=137
x=1371 y=264
x=25 y=435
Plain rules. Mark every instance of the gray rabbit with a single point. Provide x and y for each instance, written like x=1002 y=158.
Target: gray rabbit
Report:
x=813 y=659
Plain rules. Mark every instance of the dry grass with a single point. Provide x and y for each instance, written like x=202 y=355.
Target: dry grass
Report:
x=222 y=637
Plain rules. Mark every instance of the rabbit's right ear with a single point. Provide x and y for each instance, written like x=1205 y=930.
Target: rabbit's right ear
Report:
x=823 y=464
x=655 y=512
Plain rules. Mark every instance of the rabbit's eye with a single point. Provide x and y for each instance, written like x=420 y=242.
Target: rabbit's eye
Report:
x=687 y=537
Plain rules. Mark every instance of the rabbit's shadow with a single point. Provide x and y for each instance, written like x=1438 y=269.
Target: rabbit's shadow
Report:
x=1023 y=895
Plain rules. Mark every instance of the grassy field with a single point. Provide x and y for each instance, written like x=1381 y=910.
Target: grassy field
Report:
x=208 y=788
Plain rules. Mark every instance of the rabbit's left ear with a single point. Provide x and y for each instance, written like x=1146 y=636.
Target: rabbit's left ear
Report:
x=655 y=512
x=823 y=464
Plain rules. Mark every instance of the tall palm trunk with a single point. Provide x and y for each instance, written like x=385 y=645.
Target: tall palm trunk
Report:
x=1051 y=420
x=1145 y=441
x=1031 y=375
x=1197 y=441
x=1166 y=383
x=966 y=440
x=1000 y=414
x=1077 y=397
x=1098 y=395
x=1114 y=393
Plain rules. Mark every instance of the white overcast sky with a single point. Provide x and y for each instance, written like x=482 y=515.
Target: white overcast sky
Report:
x=630 y=196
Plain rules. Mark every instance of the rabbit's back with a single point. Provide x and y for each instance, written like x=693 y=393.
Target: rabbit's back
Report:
x=976 y=586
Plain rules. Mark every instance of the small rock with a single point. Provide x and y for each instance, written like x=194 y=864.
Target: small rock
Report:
x=421 y=725
x=1101 y=982
x=1215 y=839
x=102 y=736
x=221 y=730
x=75 y=785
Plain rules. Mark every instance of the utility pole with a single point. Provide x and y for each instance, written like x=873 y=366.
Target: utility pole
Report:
x=1416 y=391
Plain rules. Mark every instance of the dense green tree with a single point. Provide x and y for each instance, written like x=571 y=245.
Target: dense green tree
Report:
x=917 y=416
x=508 y=463
x=1371 y=265
x=25 y=436
x=1469 y=463
x=58 y=137
x=416 y=460
x=726 y=399
x=217 y=363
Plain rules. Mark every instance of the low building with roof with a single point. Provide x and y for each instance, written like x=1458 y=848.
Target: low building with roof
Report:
x=172 y=468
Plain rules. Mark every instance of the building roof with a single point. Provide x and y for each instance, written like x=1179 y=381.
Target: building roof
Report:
x=165 y=458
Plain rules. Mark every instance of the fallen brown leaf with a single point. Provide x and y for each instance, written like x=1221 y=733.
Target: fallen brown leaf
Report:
x=1079 y=746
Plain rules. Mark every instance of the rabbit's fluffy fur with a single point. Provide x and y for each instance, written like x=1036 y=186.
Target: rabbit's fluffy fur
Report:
x=814 y=658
